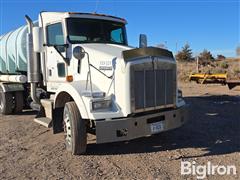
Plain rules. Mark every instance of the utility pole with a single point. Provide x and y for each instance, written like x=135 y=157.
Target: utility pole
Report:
x=197 y=64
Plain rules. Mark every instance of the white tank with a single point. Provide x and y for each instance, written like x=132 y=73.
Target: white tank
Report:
x=13 y=51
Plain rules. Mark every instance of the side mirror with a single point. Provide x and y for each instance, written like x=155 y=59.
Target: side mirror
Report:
x=142 y=40
x=78 y=53
x=38 y=39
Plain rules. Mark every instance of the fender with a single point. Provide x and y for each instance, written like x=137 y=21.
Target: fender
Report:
x=11 y=87
x=71 y=90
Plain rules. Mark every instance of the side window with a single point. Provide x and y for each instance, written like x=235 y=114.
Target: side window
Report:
x=116 y=35
x=61 y=69
x=55 y=34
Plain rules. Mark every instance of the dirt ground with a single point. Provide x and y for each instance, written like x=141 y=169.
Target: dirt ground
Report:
x=30 y=151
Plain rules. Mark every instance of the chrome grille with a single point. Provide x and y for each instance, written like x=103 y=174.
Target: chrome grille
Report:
x=152 y=87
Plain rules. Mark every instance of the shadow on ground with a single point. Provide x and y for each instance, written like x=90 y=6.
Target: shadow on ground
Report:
x=214 y=126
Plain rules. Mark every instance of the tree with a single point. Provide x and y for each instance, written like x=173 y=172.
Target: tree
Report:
x=185 y=54
x=205 y=57
x=220 y=57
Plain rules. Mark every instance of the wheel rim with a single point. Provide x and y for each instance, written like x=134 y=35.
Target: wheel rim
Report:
x=67 y=129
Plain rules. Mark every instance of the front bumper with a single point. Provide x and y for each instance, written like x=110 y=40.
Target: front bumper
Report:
x=134 y=127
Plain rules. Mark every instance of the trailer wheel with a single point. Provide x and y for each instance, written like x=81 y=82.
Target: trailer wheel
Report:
x=6 y=102
x=18 y=106
x=75 y=129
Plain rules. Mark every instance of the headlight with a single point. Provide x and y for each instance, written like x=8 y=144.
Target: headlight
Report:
x=101 y=104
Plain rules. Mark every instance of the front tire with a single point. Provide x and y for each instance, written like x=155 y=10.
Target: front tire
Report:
x=75 y=129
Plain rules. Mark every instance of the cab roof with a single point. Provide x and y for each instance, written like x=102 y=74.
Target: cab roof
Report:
x=52 y=16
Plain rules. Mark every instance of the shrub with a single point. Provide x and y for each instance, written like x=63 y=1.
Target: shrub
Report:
x=224 y=65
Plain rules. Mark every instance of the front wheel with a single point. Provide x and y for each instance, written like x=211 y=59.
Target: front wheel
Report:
x=75 y=129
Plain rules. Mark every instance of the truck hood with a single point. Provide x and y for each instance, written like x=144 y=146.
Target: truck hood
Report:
x=112 y=50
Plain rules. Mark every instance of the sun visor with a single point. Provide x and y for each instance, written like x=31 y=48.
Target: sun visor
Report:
x=132 y=54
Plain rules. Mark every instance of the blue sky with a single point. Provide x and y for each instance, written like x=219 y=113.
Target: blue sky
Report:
x=206 y=24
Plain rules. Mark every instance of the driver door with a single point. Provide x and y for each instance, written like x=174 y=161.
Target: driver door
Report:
x=56 y=66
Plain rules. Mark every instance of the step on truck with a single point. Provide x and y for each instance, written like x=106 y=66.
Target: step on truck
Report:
x=78 y=71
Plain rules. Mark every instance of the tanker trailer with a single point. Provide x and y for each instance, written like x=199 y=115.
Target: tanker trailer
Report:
x=78 y=71
x=13 y=70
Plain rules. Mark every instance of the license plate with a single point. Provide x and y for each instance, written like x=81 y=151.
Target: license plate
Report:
x=157 y=127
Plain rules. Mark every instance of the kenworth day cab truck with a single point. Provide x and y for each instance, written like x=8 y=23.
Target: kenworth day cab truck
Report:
x=78 y=71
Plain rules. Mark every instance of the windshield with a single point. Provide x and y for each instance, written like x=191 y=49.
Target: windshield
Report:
x=96 y=31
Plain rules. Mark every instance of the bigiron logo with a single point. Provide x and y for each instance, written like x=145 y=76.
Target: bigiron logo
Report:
x=201 y=171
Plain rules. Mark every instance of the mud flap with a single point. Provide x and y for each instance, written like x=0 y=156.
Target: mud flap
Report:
x=57 y=120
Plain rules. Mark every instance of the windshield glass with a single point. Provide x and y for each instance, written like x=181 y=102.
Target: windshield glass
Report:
x=96 y=31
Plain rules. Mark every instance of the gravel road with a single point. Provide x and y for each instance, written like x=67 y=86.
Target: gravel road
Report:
x=30 y=151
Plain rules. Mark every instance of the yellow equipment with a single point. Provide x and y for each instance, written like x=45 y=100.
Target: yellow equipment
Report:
x=208 y=78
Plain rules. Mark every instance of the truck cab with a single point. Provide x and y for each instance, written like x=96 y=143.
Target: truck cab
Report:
x=94 y=82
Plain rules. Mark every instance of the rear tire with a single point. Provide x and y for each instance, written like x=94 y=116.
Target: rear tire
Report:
x=6 y=102
x=75 y=129
x=18 y=102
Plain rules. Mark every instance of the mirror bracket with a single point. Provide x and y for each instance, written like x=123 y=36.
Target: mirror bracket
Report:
x=66 y=59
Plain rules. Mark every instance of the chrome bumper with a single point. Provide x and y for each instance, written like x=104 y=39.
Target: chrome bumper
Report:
x=134 y=127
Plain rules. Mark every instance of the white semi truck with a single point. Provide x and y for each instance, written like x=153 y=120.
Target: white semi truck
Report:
x=78 y=71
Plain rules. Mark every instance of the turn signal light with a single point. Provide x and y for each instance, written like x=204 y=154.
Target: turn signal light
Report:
x=69 y=78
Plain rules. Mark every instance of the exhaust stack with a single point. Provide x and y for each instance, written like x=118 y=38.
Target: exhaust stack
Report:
x=33 y=58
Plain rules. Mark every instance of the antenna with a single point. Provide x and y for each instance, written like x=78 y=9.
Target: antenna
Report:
x=96 y=6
